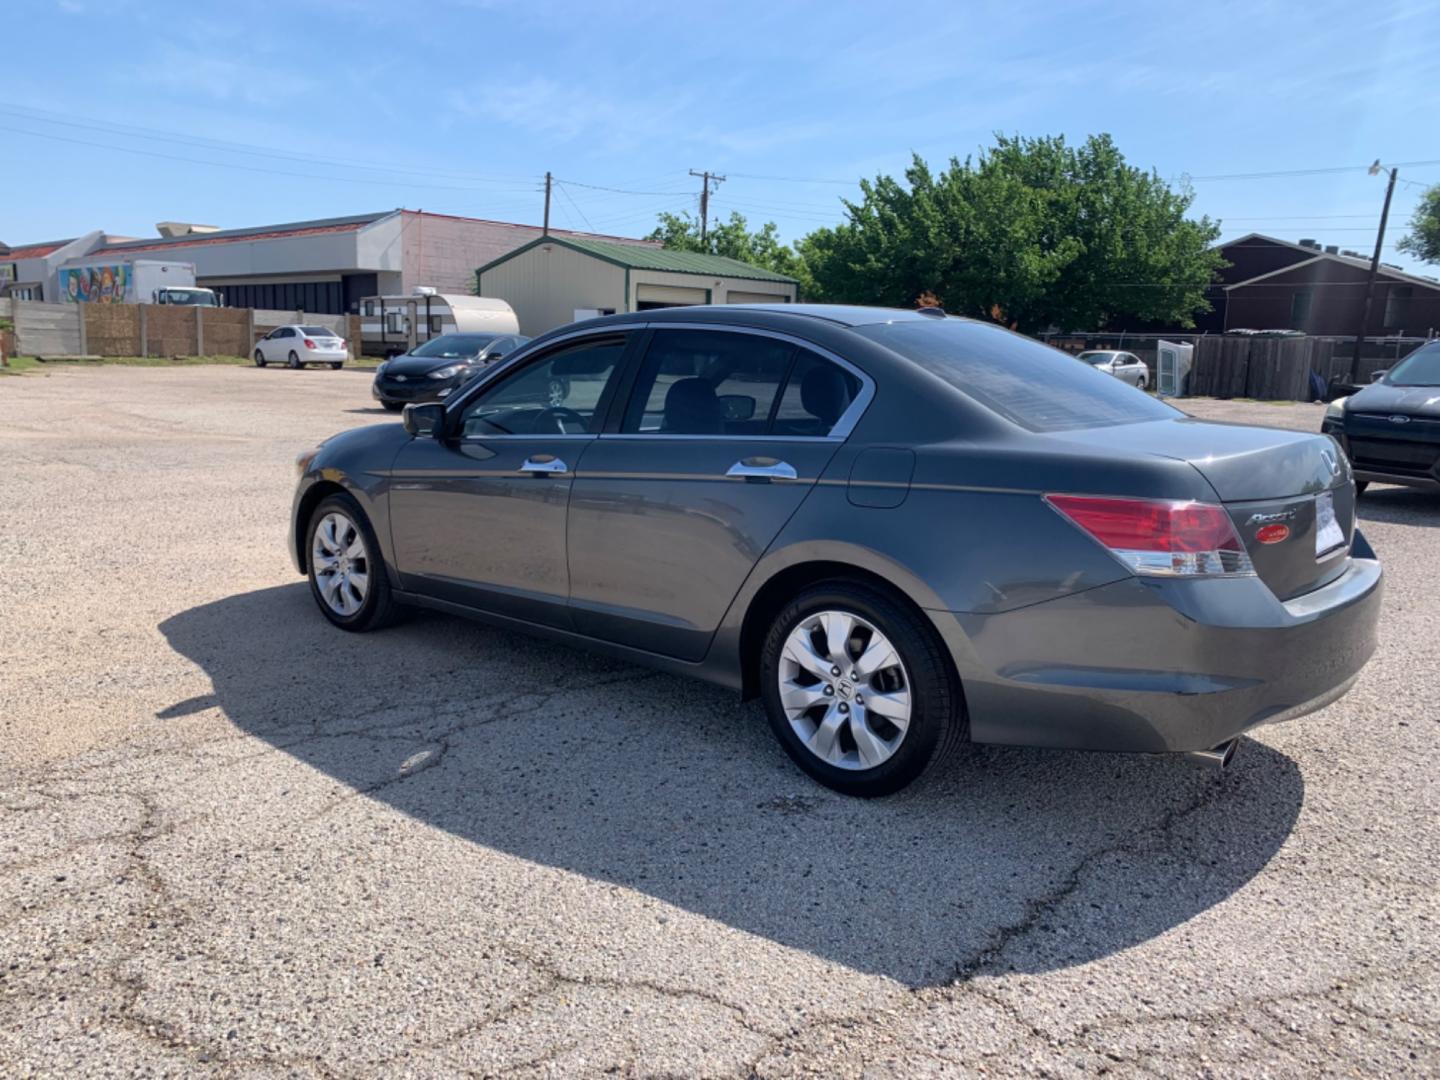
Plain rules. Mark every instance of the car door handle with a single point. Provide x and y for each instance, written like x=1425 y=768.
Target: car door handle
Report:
x=762 y=468
x=543 y=463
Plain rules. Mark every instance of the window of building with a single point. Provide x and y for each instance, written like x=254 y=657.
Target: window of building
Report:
x=369 y=307
x=1300 y=308
x=1397 y=306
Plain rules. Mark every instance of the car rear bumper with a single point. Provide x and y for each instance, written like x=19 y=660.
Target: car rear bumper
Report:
x=1156 y=665
x=324 y=356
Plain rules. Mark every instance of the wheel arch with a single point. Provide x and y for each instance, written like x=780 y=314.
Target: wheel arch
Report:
x=780 y=587
x=314 y=495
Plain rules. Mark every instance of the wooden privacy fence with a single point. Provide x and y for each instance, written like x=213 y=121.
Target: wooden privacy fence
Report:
x=52 y=330
x=1269 y=368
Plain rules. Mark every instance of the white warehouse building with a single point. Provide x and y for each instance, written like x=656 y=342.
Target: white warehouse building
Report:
x=324 y=266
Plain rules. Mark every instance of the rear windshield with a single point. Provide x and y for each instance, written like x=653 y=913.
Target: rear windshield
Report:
x=1031 y=384
x=455 y=345
x=317 y=331
x=1096 y=357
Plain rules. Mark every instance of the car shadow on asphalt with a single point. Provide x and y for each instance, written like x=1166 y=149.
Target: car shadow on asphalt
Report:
x=1399 y=506
x=1006 y=860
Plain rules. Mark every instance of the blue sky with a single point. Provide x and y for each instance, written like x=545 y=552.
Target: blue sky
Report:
x=316 y=108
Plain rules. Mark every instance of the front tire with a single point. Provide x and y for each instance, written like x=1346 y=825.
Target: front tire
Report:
x=392 y=406
x=858 y=690
x=259 y=358
x=337 y=365
x=346 y=570
x=293 y=361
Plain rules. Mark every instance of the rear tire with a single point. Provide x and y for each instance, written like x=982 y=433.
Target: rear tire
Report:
x=344 y=553
x=1143 y=383
x=259 y=358
x=835 y=745
x=293 y=361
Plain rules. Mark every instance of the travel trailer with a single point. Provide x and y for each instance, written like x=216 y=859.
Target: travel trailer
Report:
x=391 y=325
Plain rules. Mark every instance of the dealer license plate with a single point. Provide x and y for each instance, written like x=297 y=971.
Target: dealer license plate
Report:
x=1328 y=534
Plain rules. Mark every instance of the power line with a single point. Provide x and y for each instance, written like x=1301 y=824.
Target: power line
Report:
x=244 y=168
x=566 y=192
x=221 y=146
x=1307 y=172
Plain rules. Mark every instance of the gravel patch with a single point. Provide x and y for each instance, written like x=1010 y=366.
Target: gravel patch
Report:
x=238 y=842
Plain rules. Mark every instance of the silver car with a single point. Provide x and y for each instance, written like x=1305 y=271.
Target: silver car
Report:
x=1125 y=366
x=899 y=530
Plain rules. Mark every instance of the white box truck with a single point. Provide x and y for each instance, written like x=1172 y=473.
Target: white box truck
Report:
x=132 y=281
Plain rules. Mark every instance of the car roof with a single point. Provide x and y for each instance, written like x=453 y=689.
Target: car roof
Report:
x=840 y=314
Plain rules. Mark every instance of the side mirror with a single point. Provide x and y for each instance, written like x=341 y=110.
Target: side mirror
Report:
x=425 y=421
x=737 y=406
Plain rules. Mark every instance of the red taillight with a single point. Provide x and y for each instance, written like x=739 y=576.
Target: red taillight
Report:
x=1160 y=536
x=309 y=344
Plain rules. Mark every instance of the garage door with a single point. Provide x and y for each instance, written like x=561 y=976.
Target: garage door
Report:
x=736 y=297
x=658 y=296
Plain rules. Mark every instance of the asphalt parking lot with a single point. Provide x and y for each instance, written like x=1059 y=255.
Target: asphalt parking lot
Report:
x=238 y=842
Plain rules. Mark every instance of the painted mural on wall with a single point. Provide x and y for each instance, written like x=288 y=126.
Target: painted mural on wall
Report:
x=94 y=284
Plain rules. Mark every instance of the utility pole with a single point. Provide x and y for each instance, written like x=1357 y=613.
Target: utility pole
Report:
x=546 y=230
x=1374 y=270
x=706 y=178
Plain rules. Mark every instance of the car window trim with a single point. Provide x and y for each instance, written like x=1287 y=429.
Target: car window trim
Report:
x=839 y=432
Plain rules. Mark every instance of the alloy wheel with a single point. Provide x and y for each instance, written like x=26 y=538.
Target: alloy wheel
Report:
x=342 y=565
x=844 y=690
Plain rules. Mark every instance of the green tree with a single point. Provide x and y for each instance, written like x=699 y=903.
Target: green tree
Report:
x=732 y=238
x=1423 y=240
x=1034 y=233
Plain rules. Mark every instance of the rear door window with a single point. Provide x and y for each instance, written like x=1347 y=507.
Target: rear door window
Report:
x=1028 y=383
x=707 y=382
x=817 y=394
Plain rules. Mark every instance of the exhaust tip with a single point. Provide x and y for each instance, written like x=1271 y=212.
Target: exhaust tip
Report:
x=1217 y=758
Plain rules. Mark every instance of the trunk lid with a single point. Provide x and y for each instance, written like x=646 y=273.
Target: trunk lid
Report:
x=1264 y=477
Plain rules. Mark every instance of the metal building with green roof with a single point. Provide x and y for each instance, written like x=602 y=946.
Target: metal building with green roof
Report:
x=554 y=280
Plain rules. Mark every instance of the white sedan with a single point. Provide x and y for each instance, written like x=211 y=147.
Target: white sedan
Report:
x=295 y=346
x=1123 y=365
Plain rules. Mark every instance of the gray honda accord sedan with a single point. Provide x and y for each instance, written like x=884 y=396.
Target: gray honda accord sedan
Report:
x=900 y=530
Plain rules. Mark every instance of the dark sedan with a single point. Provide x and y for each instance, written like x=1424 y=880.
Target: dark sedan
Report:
x=1391 y=428
x=900 y=530
x=438 y=368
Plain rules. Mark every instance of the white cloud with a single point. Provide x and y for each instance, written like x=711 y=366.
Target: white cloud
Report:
x=190 y=73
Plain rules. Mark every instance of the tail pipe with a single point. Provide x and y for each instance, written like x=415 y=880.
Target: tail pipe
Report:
x=1217 y=758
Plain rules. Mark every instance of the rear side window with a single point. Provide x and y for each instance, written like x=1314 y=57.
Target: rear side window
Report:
x=706 y=382
x=816 y=396
x=1031 y=384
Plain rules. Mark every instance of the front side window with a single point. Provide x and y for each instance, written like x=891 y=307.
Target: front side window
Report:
x=1028 y=383
x=559 y=394
x=706 y=382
